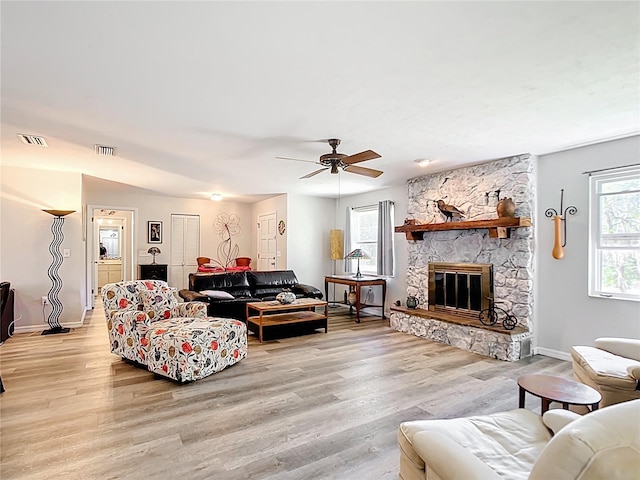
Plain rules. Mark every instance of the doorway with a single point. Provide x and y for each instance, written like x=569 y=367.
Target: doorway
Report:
x=267 y=245
x=114 y=228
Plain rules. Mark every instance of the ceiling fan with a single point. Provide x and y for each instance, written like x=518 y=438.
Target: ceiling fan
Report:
x=335 y=160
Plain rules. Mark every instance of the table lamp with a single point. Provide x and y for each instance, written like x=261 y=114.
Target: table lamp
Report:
x=358 y=253
x=154 y=251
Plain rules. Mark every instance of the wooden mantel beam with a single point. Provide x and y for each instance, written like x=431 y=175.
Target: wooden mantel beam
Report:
x=498 y=227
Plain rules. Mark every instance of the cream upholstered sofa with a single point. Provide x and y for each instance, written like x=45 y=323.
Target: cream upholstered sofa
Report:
x=520 y=444
x=611 y=366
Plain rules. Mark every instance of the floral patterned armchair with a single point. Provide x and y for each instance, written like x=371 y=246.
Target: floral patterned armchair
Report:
x=131 y=308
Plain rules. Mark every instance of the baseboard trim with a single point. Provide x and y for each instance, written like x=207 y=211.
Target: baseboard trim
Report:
x=548 y=352
x=44 y=326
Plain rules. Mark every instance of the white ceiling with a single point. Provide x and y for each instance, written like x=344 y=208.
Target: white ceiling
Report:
x=199 y=97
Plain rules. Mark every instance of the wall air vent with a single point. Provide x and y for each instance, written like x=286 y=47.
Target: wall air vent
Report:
x=104 y=150
x=33 y=140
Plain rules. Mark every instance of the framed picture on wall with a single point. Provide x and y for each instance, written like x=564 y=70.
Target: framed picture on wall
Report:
x=154 y=234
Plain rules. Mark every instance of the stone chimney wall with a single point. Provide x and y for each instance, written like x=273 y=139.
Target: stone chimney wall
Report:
x=467 y=188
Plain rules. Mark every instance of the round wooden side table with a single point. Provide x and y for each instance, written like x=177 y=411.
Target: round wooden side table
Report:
x=557 y=389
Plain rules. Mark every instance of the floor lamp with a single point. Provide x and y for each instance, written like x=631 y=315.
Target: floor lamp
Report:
x=337 y=253
x=52 y=272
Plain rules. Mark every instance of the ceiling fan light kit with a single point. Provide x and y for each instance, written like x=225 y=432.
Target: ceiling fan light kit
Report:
x=335 y=161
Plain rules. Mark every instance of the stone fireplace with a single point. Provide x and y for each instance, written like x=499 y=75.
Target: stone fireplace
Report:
x=453 y=273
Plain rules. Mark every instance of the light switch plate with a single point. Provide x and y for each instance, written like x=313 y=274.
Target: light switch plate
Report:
x=66 y=252
x=143 y=253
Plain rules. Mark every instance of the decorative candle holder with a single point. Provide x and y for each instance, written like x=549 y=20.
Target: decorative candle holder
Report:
x=560 y=222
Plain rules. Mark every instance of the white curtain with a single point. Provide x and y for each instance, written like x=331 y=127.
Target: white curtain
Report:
x=386 y=263
x=348 y=264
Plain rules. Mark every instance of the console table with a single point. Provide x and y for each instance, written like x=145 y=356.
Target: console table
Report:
x=355 y=284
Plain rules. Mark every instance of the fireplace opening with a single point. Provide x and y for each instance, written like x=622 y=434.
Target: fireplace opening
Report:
x=461 y=289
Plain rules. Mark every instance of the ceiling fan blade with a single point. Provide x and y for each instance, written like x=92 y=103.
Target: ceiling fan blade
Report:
x=316 y=172
x=361 y=157
x=297 y=160
x=369 y=172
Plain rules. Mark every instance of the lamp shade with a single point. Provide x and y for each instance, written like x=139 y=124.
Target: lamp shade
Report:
x=336 y=242
x=358 y=253
x=59 y=213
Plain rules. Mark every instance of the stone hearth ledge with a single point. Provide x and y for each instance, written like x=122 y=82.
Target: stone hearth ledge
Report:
x=472 y=339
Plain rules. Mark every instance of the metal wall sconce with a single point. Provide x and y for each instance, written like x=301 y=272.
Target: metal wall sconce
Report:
x=560 y=219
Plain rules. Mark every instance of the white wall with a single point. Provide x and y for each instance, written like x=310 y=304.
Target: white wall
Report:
x=396 y=286
x=308 y=238
x=156 y=207
x=26 y=235
x=279 y=206
x=566 y=315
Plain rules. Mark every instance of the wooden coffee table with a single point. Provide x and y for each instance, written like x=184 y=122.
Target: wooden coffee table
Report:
x=557 y=389
x=300 y=311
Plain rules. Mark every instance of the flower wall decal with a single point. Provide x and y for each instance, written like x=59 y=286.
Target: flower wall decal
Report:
x=226 y=225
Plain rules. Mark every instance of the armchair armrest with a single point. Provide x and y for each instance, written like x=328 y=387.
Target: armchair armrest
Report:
x=624 y=347
x=191 y=296
x=190 y=309
x=556 y=419
x=449 y=460
x=634 y=370
x=307 y=291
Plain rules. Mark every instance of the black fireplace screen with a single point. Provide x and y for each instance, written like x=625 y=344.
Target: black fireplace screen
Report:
x=460 y=288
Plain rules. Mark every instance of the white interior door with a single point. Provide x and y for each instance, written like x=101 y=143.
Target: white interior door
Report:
x=267 y=241
x=185 y=248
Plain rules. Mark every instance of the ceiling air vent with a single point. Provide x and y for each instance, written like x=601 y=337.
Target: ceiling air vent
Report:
x=33 y=140
x=104 y=150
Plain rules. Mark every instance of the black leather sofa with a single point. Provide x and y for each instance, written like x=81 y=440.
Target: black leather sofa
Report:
x=245 y=287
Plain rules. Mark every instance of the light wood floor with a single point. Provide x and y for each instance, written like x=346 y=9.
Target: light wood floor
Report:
x=320 y=406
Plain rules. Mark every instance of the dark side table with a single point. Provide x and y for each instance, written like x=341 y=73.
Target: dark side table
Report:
x=557 y=389
x=356 y=284
x=152 y=271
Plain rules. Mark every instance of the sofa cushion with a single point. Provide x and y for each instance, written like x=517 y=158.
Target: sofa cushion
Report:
x=604 y=367
x=235 y=283
x=158 y=303
x=266 y=285
x=217 y=294
x=508 y=442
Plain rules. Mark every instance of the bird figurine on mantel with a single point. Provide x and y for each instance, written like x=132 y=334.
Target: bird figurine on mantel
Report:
x=449 y=211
